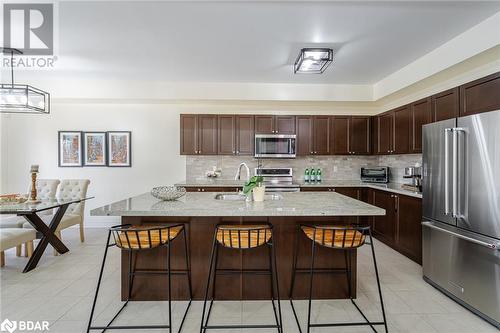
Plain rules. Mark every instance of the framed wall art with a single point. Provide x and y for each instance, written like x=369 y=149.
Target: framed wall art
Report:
x=70 y=148
x=94 y=149
x=119 y=149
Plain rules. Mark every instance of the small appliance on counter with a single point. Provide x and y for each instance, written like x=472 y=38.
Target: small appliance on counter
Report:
x=379 y=174
x=415 y=174
x=278 y=179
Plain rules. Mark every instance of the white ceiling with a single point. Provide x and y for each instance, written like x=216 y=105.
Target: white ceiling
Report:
x=252 y=41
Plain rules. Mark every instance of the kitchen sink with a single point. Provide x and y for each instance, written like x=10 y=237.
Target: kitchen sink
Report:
x=242 y=197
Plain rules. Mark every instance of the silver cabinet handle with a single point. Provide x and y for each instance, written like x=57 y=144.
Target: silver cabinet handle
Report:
x=447 y=131
x=490 y=245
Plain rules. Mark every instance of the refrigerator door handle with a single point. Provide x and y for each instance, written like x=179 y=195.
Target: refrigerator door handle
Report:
x=454 y=174
x=447 y=131
x=490 y=245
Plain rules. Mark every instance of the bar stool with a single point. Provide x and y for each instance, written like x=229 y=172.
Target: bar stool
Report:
x=345 y=238
x=135 y=239
x=242 y=237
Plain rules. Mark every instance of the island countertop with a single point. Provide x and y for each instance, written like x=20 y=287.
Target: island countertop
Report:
x=205 y=204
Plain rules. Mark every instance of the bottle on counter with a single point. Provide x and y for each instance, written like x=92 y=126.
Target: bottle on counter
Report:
x=318 y=175
x=306 y=175
x=312 y=177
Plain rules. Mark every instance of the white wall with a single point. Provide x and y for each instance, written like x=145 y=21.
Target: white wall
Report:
x=155 y=148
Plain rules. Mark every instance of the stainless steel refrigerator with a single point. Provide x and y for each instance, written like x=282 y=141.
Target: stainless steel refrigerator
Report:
x=461 y=211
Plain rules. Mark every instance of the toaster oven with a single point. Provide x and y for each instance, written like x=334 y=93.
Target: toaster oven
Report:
x=378 y=174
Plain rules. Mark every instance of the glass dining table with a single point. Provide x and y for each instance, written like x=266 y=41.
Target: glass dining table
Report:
x=45 y=231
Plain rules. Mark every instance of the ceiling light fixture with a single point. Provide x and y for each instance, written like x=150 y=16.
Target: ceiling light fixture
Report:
x=21 y=98
x=313 y=60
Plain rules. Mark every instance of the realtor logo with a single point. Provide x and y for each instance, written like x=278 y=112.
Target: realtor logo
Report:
x=29 y=27
x=8 y=326
x=24 y=325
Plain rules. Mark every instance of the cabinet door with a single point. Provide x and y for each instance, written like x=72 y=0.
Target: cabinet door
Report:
x=245 y=138
x=189 y=137
x=227 y=134
x=207 y=134
x=321 y=135
x=264 y=124
x=420 y=115
x=351 y=192
x=284 y=125
x=339 y=135
x=409 y=227
x=445 y=105
x=359 y=135
x=401 y=138
x=481 y=95
x=385 y=226
x=304 y=135
x=384 y=133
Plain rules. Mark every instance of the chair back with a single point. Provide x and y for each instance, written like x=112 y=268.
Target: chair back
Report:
x=74 y=189
x=243 y=236
x=144 y=237
x=337 y=237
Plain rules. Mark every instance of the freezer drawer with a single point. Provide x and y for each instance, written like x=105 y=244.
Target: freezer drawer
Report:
x=465 y=265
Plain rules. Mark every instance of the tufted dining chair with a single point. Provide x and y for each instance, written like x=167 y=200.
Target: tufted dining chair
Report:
x=46 y=189
x=70 y=189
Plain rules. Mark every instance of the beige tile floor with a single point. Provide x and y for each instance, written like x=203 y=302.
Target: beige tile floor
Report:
x=60 y=290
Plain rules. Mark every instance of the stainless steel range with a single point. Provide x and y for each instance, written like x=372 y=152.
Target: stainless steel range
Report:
x=278 y=179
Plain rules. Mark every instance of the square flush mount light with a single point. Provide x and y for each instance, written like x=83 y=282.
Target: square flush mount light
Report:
x=313 y=60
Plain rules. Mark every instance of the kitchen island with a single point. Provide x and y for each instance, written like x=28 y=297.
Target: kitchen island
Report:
x=201 y=212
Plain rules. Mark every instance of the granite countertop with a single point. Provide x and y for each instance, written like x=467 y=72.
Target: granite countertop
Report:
x=389 y=187
x=204 y=204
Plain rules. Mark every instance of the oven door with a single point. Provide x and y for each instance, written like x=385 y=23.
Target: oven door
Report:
x=380 y=175
x=275 y=146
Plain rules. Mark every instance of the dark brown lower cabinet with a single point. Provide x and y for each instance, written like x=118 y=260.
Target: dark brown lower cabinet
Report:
x=384 y=227
x=401 y=227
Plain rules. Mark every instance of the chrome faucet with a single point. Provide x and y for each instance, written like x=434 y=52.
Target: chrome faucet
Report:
x=238 y=173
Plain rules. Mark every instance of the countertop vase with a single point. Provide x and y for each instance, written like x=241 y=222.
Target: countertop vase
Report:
x=258 y=193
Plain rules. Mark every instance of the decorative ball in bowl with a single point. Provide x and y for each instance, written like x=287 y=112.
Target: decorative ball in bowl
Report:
x=168 y=193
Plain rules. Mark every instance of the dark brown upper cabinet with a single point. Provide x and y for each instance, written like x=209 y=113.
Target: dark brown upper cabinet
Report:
x=359 y=135
x=350 y=135
x=265 y=124
x=420 y=115
x=189 y=134
x=385 y=125
x=245 y=135
x=321 y=135
x=480 y=95
x=401 y=137
x=207 y=134
x=313 y=133
x=339 y=135
x=445 y=105
x=227 y=135
x=198 y=134
x=236 y=135
x=304 y=144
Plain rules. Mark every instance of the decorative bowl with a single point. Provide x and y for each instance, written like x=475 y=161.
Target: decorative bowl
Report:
x=168 y=193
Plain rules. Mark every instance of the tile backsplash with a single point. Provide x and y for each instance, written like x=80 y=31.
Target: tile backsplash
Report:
x=332 y=167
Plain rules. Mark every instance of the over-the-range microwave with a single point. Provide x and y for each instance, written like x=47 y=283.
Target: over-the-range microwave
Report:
x=275 y=145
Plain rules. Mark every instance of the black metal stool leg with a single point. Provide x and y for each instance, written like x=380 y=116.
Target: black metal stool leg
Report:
x=188 y=269
x=378 y=280
x=169 y=289
x=347 y=257
x=212 y=255
x=274 y=276
x=294 y=273
x=99 y=282
x=311 y=286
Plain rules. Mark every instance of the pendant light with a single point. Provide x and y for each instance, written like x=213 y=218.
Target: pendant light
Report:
x=21 y=98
